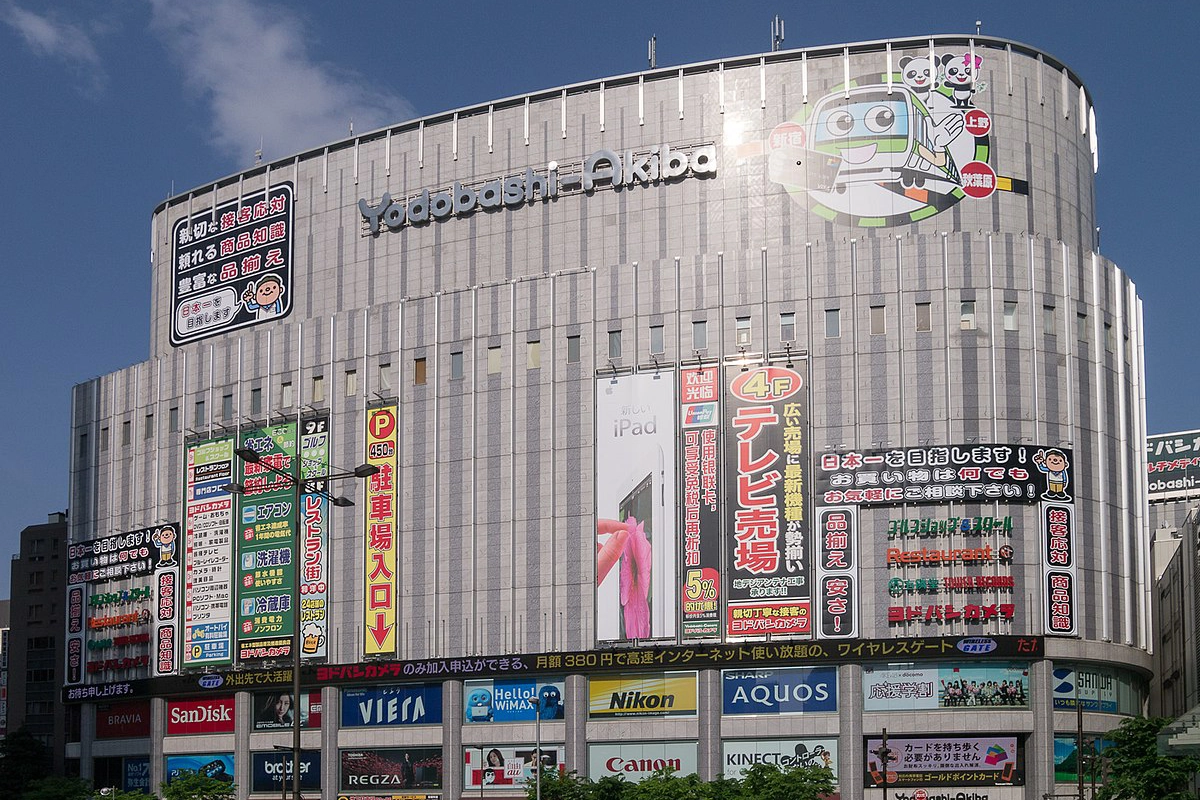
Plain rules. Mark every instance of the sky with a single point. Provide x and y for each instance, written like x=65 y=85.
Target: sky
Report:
x=106 y=109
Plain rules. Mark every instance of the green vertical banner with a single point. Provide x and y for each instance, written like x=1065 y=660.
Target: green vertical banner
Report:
x=314 y=522
x=266 y=544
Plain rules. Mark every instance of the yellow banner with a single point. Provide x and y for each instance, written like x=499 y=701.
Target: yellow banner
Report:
x=664 y=694
x=379 y=601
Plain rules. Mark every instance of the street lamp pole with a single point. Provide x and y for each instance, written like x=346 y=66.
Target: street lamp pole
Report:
x=318 y=487
x=885 y=755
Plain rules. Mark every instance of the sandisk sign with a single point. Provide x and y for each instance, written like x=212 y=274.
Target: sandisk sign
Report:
x=210 y=715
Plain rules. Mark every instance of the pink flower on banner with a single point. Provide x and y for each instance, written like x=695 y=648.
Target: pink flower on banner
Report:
x=636 y=569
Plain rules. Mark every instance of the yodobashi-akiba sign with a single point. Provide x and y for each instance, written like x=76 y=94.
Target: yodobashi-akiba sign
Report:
x=210 y=715
x=1173 y=464
x=603 y=168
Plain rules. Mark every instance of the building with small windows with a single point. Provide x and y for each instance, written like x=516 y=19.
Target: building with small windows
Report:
x=720 y=414
x=35 y=634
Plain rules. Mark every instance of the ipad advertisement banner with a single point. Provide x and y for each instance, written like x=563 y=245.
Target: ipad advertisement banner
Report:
x=636 y=589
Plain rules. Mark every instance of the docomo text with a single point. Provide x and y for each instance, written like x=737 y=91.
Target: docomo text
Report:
x=602 y=168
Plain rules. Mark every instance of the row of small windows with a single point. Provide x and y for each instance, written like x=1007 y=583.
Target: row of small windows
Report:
x=743 y=337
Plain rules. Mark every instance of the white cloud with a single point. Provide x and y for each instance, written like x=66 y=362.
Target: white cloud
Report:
x=252 y=63
x=51 y=37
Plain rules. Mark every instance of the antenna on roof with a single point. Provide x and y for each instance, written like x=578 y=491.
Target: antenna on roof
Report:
x=776 y=34
x=352 y=126
x=651 y=54
x=258 y=152
x=978 y=25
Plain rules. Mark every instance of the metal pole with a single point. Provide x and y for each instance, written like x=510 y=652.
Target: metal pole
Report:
x=885 y=754
x=1078 y=736
x=537 y=726
x=298 y=521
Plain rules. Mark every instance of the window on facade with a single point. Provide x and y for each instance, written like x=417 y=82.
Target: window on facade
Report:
x=318 y=389
x=924 y=317
x=1049 y=320
x=104 y=440
x=493 y=363
x=878 y=320
x=37 y=579
x=351 y=382
x=742 y=332
x=287 y=396
x=148 y=430
x=173 y=419
x=456 y=365
x=226 y=406
x=83 y=446
x=966 y=316
x=419 y=367
x=533 y=355
x=1081 y=327
x=833 y=323
x=385 y=378
x=700 y=335
x=787 y=326
x=255 y=402
x=657 y=343
x=1108 y=337
x=614 y=344
x=201 y=416
x=126 y=433
x=1010 y=315
x=572 y=349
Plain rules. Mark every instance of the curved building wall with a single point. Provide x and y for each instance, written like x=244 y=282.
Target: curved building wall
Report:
x=927 y=270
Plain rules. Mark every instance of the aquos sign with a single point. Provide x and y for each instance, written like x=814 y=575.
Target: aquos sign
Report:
x=603 y=168
x=779 y=691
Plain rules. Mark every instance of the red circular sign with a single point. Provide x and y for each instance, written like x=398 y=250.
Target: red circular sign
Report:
x=787 y=134
x=920 y=794
x=381 y=423
x=977 y=122
x=978 y=179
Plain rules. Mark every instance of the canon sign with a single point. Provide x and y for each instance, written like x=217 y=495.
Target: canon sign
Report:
x=200 y=716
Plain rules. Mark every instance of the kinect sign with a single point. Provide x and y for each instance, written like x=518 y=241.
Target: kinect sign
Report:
x=603 y=168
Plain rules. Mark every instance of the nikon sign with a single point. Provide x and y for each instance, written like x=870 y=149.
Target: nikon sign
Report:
x=603 y=168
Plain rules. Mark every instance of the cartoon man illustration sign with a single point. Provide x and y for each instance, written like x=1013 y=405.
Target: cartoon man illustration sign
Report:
x=1054 y=463
x=164 y=539
x=264 y=298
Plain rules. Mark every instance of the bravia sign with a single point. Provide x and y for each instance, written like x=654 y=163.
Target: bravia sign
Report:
x=123 y=720
x=602 y=168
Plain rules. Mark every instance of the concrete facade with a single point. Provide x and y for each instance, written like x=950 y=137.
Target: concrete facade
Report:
x=943 y=321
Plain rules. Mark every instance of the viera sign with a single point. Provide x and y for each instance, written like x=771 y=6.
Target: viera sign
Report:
x=603 y=168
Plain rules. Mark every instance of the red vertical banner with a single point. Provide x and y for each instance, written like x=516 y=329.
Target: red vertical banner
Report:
x=379 y=602
x=699 y=419
x=766 y=453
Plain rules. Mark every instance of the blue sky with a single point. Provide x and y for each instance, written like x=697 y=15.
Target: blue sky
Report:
x=105 y=107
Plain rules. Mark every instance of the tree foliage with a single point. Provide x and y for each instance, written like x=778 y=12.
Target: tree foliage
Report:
x=761 y=782
x=23 y=760
x=194 y=786
x=58 y=788
x=1135 y=769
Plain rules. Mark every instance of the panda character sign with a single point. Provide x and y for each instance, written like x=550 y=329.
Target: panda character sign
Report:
x=880 y=152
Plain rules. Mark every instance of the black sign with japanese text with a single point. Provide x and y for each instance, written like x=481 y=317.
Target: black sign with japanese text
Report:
x=941 y=474
x=232 y=265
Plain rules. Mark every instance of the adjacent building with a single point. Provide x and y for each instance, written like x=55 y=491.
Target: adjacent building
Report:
x=34 y=650
x=723 y=413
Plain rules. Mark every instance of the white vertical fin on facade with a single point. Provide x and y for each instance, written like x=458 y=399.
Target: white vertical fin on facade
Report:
x=1145 y=579
x=526 y=121
x=387 y=154
x=421 y=144
x=887 y=67
x=680 y=92
x=721 y=88
x=641 y=100
x=762 y=81
x=602 y=106
x=490 y=121
x=454 y=137
x=1099 y=445
x=563 y=114
x=1123 y=446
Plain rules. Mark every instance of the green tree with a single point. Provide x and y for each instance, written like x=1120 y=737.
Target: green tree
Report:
x=1135 y=769
x=768 y=782
x=23 y=760
x=193 y=786
x=558 y=785
x=58 y=788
